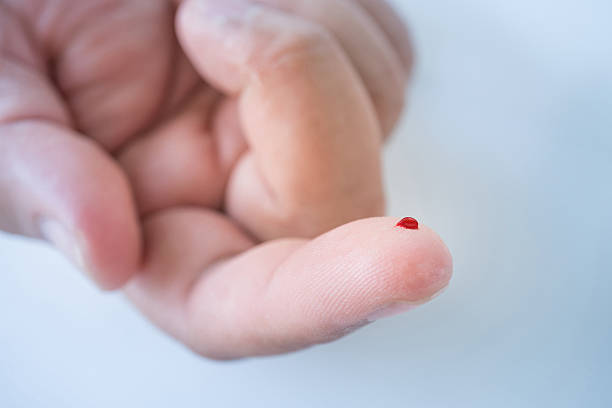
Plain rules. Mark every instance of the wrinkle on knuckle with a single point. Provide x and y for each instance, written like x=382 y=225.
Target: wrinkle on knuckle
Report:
x=290 y=53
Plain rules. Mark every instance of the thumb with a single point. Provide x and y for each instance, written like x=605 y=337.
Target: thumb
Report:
x=59 y=186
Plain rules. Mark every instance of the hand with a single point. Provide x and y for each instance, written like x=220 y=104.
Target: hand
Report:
x=197 y=166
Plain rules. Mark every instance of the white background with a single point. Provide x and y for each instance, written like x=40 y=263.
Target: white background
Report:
x=506 y=150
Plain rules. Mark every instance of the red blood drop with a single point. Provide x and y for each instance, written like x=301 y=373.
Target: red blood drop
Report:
x=408 y=223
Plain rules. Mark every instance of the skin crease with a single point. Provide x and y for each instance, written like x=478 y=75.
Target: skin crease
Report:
x=191 y=151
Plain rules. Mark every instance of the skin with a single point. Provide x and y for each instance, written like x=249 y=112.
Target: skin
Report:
x=197 y=153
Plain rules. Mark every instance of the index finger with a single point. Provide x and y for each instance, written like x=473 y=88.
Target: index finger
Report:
x=225 y=298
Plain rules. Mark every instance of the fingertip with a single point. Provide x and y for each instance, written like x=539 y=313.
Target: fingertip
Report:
x=100 y=233
x=372 y=263
x=424 y=262
x=110 y=238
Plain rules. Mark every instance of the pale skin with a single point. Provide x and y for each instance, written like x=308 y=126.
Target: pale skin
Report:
x=210 y=158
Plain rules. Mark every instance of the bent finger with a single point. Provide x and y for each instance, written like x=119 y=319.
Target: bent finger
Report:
x=306 y=115
x=60 y=187
x=394 y=28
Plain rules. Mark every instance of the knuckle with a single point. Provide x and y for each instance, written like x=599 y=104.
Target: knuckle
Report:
x=293 y=50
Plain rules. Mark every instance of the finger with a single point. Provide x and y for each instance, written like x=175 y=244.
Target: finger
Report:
x=54 y=183
x=306 y=116
x=61 y=187
x=283 y=295
x=393 y=27
x=187 y=160
x=369 y=49
x=175 y=164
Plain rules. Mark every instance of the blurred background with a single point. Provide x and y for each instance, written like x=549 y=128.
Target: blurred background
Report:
x=506 y=150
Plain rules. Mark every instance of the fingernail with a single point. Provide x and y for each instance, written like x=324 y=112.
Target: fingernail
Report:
x=395 y=308
x=223 y=13
x=60 y=237
x=225 y=23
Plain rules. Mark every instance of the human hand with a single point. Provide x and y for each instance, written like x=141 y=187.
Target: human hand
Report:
x=203 y=186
